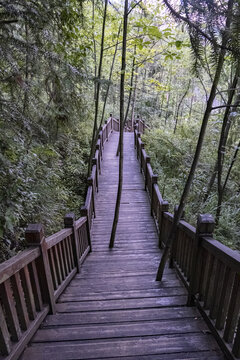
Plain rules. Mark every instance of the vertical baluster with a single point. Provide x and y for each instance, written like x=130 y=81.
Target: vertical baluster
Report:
x=174 y=246
x=207 y=278
x=236 y=344
x=68 y=254
x=154 y=180
x=70 y=244
x=27 y=288
x=210 y=292
x=53 y=269
x=220 y=272
x=233 y=311
x=64 y=250
x=57 y=263
x=63 y=269
x=84 y=212
x=5 y=341
x=146 y=167
x=36 y=286
x=8 y=302
x=205 y=227
x=90 y=183
x=224 y=298
x=20 y=301
x=35 y=237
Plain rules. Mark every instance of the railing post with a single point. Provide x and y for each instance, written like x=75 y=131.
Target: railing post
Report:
x=111 y=122
x=154 y=180
x=164 y=207
x=69 y=222
x=106 y=130
x=174 y=243
x=90 y=183
x=94 y=162
x=142 y=147
x=99 y=138
x=147 y=162
x=99 y=158
x=135 y=136
x=138 y=136
x=84 y=212
x=205 y=227
x=34 y=236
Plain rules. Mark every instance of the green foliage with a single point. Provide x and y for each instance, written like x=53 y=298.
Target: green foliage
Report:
x=171 y=157
x=44 y=121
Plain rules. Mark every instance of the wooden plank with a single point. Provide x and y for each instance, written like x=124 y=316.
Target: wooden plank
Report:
x=120 y=330
x=131 y=294
x=121 y=304
x=118 y=316
x=125 y=347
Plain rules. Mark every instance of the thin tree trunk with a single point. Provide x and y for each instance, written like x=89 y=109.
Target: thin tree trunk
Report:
x=180 y=103
x=97 y=90
x=134 y=98
x=120 y=180
x=222 y=143
x=94 y=50
x=231 y=165
x=168 y=95
x=206 y=116
x=26 y=89
x=214 y=174
x=110 y=77
x=191 y=106
x=129 y=96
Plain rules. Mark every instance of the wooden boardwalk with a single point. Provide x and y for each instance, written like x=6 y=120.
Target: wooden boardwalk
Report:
x=114 y=309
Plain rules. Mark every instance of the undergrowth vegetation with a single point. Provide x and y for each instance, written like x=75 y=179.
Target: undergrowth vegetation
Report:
x=171 y=158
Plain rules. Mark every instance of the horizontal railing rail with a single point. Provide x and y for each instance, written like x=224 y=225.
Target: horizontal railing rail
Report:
x=209 y=269
x=32 y=281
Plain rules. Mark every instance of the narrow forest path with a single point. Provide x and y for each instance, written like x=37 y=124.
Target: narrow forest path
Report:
x=114 y=309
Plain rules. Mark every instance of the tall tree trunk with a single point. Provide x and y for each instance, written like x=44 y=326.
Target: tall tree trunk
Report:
x=222 y=143
x=168 y=95
x=120 y=179
x=191 y=105
x=206 y=116
x=26 y=89
x=110 y=77
x=231 y=165
x=97 y=90
x=94 y=50
x=215 y=170
x=129 y=96
x=180 y=103
x=134 y=98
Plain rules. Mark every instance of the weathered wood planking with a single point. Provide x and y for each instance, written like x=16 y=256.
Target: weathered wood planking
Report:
x=114 y=308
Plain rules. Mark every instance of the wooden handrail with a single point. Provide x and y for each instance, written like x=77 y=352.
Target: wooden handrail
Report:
x=209 y=269
x=32 y=281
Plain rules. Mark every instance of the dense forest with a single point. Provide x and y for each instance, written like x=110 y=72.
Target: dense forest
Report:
x=60 y=79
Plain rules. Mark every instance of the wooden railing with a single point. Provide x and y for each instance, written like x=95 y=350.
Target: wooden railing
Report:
x=209 y=269
x=32 y=281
